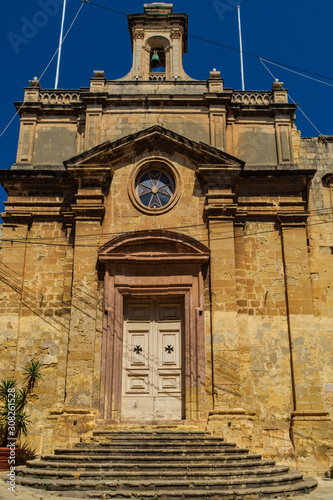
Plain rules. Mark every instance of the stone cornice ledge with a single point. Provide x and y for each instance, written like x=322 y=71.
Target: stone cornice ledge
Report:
x=311 y=415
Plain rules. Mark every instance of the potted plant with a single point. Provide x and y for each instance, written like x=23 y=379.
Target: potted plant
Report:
x=14 y=419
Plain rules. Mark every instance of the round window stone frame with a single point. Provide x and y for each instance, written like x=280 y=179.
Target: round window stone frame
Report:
x=154 y=163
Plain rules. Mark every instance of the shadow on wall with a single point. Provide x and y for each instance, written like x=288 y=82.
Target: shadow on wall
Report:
x=3 y=197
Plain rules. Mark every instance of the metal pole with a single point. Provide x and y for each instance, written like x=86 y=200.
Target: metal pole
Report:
x=60 y=44
x=241 y=46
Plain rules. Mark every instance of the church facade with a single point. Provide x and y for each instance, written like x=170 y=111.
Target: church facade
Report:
x=167 y=256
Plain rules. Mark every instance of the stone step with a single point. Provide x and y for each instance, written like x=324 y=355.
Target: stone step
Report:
x=298 y=488
x=127 y=436
x=182 y=467
x=152 y=432
x=150 y=459
x=153 y=442
x=151 y=465
x=59 y=473
x=164 y=484
x=155 y=452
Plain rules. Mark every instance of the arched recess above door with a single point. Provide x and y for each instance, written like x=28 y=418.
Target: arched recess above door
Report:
x=156 y=245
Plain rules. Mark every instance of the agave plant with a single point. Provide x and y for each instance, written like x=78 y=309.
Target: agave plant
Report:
x=15 y=405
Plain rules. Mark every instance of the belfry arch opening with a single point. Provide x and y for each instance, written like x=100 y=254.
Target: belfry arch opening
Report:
x=158 y=48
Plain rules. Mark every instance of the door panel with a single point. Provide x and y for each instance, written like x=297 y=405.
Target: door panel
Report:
x=152 y=355
x=169 y=347
x=138 y=347
x=137 y=383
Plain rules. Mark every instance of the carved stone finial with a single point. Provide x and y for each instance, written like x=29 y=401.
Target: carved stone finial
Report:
x=277 y=85
x=35 y=83
x=99 y=74
x=215 y=74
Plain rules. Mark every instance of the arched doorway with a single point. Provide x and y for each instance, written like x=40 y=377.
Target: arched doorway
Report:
x=153 y=347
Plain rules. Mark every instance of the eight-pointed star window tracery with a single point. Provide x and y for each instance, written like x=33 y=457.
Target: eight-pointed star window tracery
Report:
x=155 y=189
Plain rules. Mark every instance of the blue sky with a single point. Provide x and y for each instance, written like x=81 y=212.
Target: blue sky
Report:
x=294 y=32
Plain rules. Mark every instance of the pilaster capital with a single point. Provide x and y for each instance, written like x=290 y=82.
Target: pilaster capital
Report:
x=16 y=217
x=138 y=34
x=90 y=174
x=221 y=212
x=219 y=183
x=89 y=212
x=218 y=177
x=292 y=219
x=175 y=34
x=91 y=179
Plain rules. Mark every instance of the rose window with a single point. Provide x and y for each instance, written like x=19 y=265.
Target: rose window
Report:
x=155 y=189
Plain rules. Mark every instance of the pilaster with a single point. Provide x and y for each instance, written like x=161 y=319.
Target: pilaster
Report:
x=85 y=326
x=138 y=52
x=25 y=148
x=220 y=211
x=282 y=124
x=243 y=316
x=13 y=296
x=311 y=426
x=93 y=131
x=217 y=112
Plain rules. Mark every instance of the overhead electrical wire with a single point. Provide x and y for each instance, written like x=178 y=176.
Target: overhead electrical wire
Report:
x=261 y=59
x=39 y=242
x=46 y=68
x=295 y=72
x=300 y=109
x=323 y=212
x=271 y=61
x=311 y=213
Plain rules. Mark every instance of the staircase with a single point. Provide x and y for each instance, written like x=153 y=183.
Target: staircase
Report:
x=161 y=465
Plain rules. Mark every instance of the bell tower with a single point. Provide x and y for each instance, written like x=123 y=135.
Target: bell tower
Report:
x=159 y=41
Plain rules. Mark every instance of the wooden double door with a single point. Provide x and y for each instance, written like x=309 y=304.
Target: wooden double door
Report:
x=152 y=379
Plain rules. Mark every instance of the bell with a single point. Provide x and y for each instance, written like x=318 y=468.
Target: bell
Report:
x=155 y=61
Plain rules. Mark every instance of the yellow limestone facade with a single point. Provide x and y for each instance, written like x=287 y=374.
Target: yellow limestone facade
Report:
x=167 y=255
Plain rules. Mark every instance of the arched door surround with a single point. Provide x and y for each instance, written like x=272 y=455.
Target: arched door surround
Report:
x=146 y=265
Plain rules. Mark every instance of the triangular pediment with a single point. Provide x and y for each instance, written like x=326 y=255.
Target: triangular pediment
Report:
x=152 y=139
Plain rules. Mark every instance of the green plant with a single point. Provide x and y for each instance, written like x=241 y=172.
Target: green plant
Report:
x=14 y=420
x=25 y=453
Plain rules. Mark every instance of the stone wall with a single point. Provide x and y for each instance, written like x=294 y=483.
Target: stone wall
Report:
x=268 y=306
x=267 y=292
x=317 y=153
